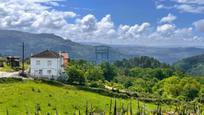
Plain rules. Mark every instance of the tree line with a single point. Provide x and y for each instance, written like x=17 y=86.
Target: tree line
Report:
x=144 y=75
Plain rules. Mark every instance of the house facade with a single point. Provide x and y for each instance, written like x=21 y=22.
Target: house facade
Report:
x=47 y=64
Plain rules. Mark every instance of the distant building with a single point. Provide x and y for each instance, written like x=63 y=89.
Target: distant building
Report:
x=2 y=61
x=65 y=58
x=102 y=54
x=48 y=64
x=13 y=61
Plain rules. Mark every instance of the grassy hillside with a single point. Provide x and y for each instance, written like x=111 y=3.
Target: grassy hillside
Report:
x=192 y=65
x=19 y=97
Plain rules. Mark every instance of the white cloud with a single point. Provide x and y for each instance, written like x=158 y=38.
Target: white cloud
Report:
x=189 y=6
x=166 y=28
x=132 y=32
x=31 y=15
x=199 y=25
x=160 y=6
x=168 y=19
x=87 y=23
x=40 y=16
x=106 y=24
x=200 y=2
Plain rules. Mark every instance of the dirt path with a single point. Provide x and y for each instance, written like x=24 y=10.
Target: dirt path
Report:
x=9 y=74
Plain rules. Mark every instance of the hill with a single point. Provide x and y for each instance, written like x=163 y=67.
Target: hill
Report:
x=143 y=62
x=165 y=54
x=19 y=97
x=11 y=43
x=192 y=65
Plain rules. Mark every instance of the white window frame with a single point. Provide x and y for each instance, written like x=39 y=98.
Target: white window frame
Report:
x=49 y=63
x=49 y=72
x=37 y=62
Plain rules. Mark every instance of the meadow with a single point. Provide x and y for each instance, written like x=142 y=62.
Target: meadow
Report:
x=24 y=97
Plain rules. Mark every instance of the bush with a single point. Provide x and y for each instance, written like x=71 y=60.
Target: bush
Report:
x=94 y=74
x=63 y=78
x=97 y=84
x=10 y=80
x=76 y=76
x=128 y=84
x=109 y=71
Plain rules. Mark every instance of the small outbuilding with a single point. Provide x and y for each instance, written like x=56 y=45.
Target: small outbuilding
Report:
x=13 y=61
x=2 y=61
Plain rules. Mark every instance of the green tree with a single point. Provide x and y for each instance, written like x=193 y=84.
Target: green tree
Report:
x=142 y=61
x=177 y=87
x=139 y=85
x=76 y=76
x=136 y=72
x=109 y=71
x=159 y=73
x=191 y=88
x=169 y=87
x=94 y=74
x=128 y=84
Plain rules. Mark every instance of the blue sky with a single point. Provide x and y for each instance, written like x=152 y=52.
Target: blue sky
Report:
x=129 y=11
x=132 y=22
x=122 y=11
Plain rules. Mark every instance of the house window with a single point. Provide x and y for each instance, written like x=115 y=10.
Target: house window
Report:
x=36 y=72
x=49 y=72
x=40 y=72
x=38 y=62
x=49 y=62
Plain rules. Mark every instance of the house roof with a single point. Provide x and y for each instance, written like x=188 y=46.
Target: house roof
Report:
x=46 y=54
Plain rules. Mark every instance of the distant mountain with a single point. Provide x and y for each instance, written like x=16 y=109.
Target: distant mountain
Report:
x=167 y=55
x=192 y=65
x=11 y=44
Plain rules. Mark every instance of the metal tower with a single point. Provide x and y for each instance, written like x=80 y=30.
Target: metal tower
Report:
x=102 y=54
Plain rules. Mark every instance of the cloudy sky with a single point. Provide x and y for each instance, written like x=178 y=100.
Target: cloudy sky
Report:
x=134 y=22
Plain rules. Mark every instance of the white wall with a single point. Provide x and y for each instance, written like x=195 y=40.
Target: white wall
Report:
x=56 y=67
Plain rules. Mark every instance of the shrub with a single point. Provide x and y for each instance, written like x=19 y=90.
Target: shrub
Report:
x=33 y=89
x=76 y=76
x=63 y=78
x=128 y=84
x=109 y=71
x=49 y=104
x=94 y=74
x=39 y=91
x=97 y=84
x=10 y=80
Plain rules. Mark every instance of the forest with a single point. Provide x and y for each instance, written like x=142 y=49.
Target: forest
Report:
x=145 y=77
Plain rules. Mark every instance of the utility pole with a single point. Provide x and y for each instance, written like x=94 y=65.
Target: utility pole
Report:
x=23 y=60
x=23 y=56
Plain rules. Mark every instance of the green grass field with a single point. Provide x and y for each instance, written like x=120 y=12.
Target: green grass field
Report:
x=6 y=68
x=21 y=97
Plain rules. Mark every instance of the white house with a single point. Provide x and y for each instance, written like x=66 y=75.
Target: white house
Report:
x=47 y=64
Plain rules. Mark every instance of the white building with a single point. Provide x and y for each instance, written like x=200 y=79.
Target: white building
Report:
x=47 y=64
